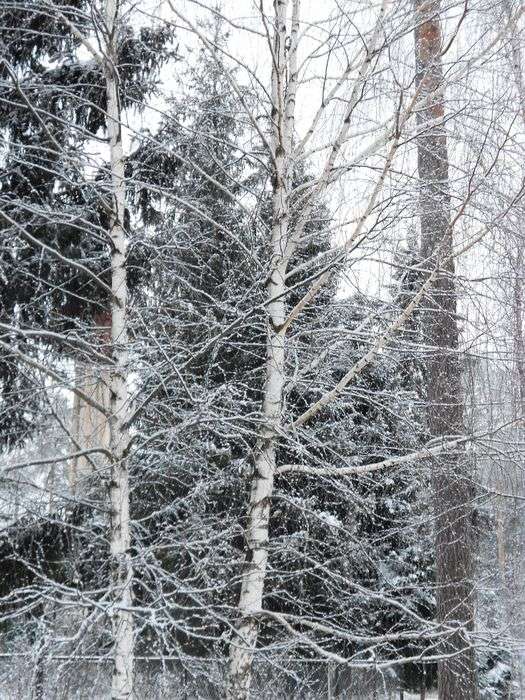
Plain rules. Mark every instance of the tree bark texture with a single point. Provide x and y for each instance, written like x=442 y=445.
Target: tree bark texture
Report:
x=90 y=427
x=122 y=573
x=243 y=645
x=452 y=484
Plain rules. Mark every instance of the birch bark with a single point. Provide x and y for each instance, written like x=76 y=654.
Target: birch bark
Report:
x=122 y=573
x=242 y=647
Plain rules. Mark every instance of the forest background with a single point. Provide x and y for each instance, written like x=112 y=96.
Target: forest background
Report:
x=262 y=366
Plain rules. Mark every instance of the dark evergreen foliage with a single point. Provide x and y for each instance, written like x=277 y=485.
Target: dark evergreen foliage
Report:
x=335 y=542
x=344 y=549
x=53 y=200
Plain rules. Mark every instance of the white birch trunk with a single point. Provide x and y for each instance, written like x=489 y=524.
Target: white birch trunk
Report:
x=123 y=637
x=252 y=587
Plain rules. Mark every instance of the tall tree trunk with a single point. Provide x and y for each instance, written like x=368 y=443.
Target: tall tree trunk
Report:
x=243 y=645
x=452 y=485
x=122 y=573
x=519 y=341
x=90 y=427
x=515 y=485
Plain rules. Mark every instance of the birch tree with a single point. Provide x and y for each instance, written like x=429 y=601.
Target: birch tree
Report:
x=66 y=225
x=122 y=685
x=284 y=239
x=227 y=262
x=283 y=105
x=439 y=256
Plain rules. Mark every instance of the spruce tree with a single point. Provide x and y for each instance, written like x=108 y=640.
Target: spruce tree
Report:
x=202 y=364
x=205 y=235
x=361 y=543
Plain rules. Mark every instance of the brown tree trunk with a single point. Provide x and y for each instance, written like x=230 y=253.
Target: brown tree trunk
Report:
x=90 y=427
x=452 y=485
x=519 y=342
